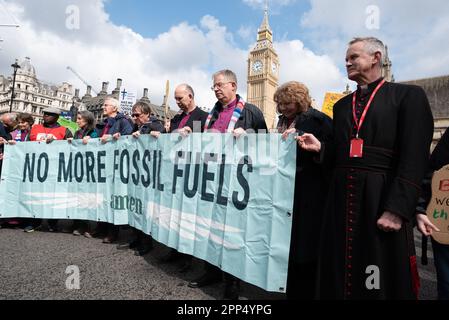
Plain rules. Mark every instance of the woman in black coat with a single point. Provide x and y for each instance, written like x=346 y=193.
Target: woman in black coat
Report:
x=297 y=116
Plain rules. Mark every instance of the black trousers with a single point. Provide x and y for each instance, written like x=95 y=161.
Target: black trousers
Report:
x=301 y=280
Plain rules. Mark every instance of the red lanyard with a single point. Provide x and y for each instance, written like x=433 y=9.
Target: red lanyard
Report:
x=362 y=119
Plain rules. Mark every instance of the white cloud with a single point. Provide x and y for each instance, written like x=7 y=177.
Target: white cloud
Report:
x=318 y=73
x=247 y=33
x=273 y=4
x=415 y=32
x=102 y=51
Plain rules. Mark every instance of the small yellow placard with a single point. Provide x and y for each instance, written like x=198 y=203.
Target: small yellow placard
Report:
x=330 y=100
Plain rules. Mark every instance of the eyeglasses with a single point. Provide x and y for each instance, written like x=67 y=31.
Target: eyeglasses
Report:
x=136 y=115
x=219 y=85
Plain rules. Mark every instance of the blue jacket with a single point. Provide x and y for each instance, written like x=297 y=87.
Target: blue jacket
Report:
x=120 y=124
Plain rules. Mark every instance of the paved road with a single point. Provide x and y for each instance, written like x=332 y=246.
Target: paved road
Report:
x=33 y=266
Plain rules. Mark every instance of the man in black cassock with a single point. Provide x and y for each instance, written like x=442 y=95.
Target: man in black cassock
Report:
x=382 y=137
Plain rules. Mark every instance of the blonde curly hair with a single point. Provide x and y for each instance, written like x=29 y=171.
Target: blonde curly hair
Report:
x=293 y=92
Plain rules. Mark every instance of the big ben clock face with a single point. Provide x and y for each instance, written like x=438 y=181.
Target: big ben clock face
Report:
x=257 y=66
x=274 y=67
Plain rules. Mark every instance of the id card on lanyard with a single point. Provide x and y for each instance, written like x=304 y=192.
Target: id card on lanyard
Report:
x=356 y=149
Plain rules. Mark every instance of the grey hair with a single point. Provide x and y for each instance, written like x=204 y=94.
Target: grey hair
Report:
x=188 y=88
x=227 y=74
x=372 y=45
x=11 y=116
x=89 y=118
x=115 y=101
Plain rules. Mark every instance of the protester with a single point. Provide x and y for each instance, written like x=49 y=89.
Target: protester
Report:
x=190 y=119
x=7 y=123
x=86 y=124
x=439 y=159
x=311 y=183
x=115 y=125
x=230 y=114
x=25 y=122
x=382 y=137
x=21 y=134
x=48 y=132
x=144 y=124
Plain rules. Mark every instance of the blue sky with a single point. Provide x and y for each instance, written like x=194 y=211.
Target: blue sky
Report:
x=148 y=42
x=150 y=18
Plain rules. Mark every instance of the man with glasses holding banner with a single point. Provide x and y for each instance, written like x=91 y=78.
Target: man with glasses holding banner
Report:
x=231 y=114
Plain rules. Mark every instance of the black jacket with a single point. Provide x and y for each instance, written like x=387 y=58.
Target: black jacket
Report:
x=153 y=125
x=7 y=136
x=251 y=117
x=311 y=184
x=197 y=115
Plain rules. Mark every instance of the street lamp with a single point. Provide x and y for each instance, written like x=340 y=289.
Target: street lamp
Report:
x=15 y=66
x=74 y=110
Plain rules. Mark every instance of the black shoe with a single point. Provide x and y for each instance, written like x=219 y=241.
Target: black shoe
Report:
x=206 y=279
x=134 y=244
x=143 y=250
x=232 y=289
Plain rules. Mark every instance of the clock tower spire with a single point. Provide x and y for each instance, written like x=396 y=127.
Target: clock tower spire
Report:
x=263 y=72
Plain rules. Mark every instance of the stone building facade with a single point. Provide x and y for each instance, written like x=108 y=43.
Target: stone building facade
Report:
x=437 y=90
x=95 y=104
x=33 y=95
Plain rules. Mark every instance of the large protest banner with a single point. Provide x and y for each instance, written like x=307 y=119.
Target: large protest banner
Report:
x=225 y=200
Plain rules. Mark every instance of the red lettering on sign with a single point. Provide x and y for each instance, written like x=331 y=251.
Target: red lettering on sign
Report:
x=444 y=185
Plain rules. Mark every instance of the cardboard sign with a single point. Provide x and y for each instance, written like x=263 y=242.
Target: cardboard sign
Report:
x=127 y=101
x=438 y=210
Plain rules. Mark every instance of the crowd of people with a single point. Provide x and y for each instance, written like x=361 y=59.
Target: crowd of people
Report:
x=359 y=176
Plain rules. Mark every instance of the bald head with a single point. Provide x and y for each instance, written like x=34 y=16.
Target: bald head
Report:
x=185 y=98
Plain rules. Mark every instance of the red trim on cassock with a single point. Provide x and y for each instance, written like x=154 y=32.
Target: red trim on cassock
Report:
x=416 y=284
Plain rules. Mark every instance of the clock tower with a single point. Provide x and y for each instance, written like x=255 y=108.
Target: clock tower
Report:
x=263 y=73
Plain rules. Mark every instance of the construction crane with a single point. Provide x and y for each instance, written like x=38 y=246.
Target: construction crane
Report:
x=81 y=78
x=15 y=24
